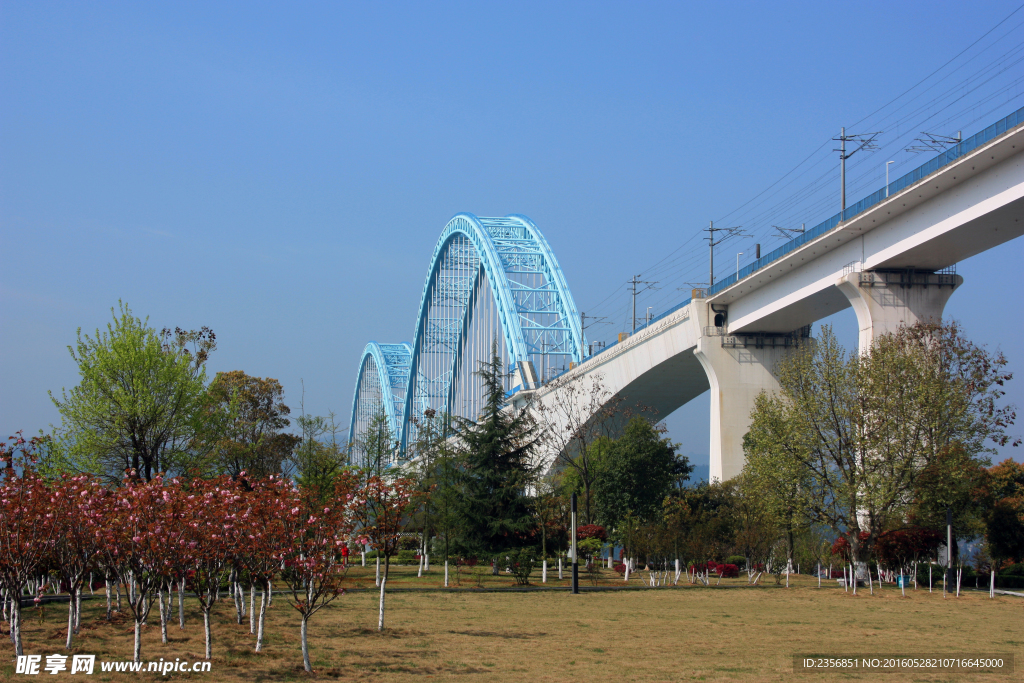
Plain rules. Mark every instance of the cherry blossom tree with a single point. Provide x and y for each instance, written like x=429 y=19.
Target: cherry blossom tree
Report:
x=382 y=510
x=209 y=534
x=313 y=562
x=262 y=532
x=134 y=544
x=75 y=504
x=27 y=526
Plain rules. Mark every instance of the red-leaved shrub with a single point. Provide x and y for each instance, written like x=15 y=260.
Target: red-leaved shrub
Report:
x=591 y=531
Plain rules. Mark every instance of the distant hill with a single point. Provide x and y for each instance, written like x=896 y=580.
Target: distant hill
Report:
x=701 y=473
x=703 y=468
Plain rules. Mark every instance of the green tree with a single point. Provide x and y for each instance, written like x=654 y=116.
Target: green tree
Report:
x=857 y=431
x=319 y=458
x=374 y=449
x=1004 y=521
x=575 y=414
x=253 y=441
x=634 y=473
x=954 y=480
x=438 y=482
x=777 y=484
x=141 y=403
x=498 y=469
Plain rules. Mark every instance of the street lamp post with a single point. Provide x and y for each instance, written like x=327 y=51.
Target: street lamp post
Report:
x=575 y=563
x=887 y=177
x=738 y=254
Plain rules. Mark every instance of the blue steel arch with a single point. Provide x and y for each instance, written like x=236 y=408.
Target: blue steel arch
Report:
x=505 y=249
x=391 y=371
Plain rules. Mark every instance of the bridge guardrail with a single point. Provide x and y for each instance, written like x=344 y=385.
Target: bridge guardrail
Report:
x=952 y=154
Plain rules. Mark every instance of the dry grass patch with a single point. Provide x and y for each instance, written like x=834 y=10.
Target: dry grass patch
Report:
x=730 y=633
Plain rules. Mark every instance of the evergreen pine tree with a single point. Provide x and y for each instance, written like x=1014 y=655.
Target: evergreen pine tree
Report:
x=498 y=469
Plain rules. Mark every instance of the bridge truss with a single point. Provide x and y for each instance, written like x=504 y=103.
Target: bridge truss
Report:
x=493 y=283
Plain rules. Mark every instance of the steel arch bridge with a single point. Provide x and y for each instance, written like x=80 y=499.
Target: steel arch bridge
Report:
x=491 y=282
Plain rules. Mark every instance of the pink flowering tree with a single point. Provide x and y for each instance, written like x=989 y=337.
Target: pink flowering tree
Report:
x=76 y=503
x=382 y=510
x=313 y=564
x=262 y=533
x=27 y=526
x=209 y=541
x=134 y=543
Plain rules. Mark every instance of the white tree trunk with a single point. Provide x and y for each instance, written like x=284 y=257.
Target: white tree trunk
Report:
x=419 y=572
x=544 y=571
x=263 y=614
x=380 y=620
x=559 y=568
x=181 y=603
x=78 y=608
x=426 y=562
x=305 y=645
x=236 y=596
x=992 y=583
x=208 y=632
x=71 y=620
x=270 y=593
x=16 y=625
x=377 y=579
x=137 y=651
x=362 y=555
x=252 y=607
x=164 y=610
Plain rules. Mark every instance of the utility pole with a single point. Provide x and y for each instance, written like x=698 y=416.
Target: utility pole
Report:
x=866 y=140
x=595 y=320
x=633 y=283
x=735 y=231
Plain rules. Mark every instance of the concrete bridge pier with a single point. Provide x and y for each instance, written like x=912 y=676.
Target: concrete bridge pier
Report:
x=738 y=367
x=886 y=299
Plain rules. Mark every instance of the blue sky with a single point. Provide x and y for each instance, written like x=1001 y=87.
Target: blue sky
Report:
x=280 y=172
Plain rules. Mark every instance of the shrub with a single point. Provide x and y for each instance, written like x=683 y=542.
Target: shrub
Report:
x=520 y=562
x=727 y=571
x=589 y=547
x=620 y=568
x=737 y=560
x=1009 y=581
x=408 y=543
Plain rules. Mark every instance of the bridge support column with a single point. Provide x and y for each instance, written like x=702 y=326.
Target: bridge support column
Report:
x=884 y=300
x=739 y=367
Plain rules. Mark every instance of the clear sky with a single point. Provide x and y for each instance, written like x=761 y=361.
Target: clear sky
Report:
x=280 y=172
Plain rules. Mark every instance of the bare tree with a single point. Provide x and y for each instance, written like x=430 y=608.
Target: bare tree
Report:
x=574 y=415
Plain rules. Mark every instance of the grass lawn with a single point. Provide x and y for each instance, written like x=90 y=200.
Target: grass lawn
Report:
x=730 y=633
